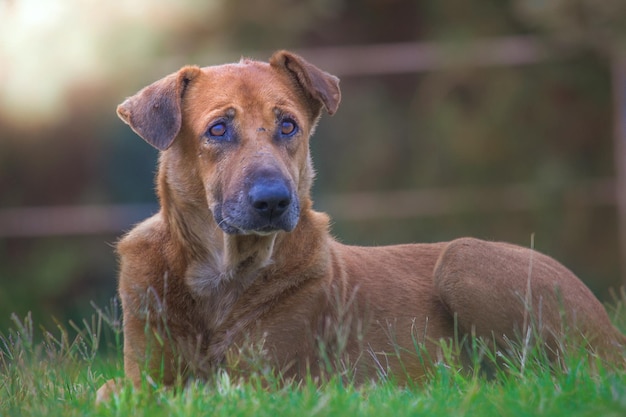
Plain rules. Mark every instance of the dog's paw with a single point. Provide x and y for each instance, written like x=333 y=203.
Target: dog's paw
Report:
x=106 y=391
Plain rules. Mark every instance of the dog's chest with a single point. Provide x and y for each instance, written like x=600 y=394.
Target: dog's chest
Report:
x=216 y=308
x=216 y=294
x=228 y=317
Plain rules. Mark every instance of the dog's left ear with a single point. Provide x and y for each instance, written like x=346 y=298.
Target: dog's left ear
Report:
x=320 y=86
x=154 y=113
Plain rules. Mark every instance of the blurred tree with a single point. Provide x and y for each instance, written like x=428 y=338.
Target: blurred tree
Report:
x=598 y=24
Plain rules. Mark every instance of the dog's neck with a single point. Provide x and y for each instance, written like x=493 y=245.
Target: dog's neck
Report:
x=231 y=261
x=212 y=257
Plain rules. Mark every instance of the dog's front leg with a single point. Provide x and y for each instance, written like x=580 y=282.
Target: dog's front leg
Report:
x=148 y=352
x=148 y=355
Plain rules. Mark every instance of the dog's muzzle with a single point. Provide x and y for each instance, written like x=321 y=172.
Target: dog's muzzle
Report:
x=269 y=204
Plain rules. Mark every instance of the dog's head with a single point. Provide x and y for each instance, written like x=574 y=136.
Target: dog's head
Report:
x=237 y=134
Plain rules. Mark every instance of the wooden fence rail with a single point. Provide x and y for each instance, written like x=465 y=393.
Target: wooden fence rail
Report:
x=362 y=206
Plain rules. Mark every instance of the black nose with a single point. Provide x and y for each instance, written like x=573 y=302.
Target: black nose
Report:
x=270 y=198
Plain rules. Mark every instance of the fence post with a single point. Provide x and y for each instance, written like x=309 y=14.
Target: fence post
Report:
x=618 y=69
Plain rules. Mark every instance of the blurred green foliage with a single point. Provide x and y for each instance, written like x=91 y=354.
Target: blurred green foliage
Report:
x=548 y=125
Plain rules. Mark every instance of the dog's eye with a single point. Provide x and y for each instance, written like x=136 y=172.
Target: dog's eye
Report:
x=218 y=129
x=288 y=128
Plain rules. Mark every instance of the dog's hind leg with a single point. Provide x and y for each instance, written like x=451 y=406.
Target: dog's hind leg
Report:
x=507 y=293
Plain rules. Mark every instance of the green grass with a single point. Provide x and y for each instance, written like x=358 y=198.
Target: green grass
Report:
x=50 y=373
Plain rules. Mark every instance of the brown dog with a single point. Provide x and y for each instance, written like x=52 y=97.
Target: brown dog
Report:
x=238 y=255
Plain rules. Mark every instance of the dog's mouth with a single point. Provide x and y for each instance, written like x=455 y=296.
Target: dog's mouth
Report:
x=236 y=230
x=232 y=219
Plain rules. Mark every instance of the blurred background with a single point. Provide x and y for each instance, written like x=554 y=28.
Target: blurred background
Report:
x=496 y=119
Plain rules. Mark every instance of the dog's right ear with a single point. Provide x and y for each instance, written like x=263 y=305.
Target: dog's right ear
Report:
x=154 y=113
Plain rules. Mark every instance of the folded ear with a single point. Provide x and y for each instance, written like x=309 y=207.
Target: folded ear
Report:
x=154 y=113
x=320 y=86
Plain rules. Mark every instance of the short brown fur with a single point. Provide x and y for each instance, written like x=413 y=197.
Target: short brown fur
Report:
x=213 y=270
